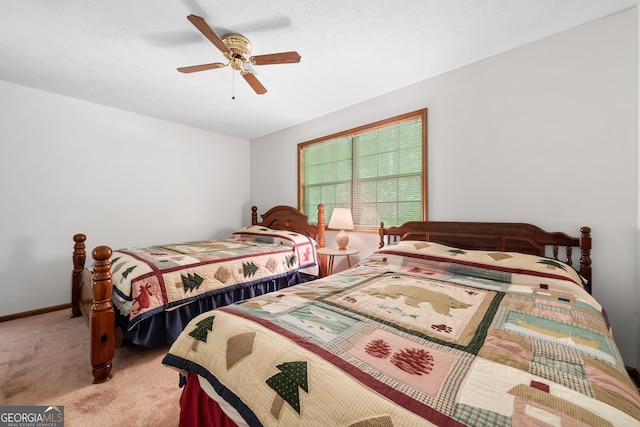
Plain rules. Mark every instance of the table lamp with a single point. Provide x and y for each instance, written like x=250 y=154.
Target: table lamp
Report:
x=341 y=220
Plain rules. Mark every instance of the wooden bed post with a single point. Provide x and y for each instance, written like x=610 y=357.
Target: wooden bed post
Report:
x=322 y=264
x=585 y=257
x=321 y=225
x=79 y=258
x=102 y=317
x=254 y=215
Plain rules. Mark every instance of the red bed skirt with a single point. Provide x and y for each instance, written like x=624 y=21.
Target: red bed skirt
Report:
x=197 y=409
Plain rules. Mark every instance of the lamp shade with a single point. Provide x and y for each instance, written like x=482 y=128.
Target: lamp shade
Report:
x=341 y=219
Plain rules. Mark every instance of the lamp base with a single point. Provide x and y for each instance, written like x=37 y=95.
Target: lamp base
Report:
x=342 y=239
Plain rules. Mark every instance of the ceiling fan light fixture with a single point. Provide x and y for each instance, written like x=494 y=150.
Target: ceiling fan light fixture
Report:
x=236 y=63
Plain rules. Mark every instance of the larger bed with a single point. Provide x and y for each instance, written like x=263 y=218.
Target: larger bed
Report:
x=452 y=324
x=150 y=293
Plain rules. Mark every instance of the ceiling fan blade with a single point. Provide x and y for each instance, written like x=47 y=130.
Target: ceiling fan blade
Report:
x=254 y=82
x=203 y=67
x=206 y=30
x=276 y=58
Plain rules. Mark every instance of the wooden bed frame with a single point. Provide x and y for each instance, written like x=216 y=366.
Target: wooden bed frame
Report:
x=497 y=236
x=91 y=293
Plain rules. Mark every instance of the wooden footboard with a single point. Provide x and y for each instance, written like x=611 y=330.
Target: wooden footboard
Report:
x=91 y=293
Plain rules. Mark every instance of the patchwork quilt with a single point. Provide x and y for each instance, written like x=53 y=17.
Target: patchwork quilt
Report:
x=418 y=334
x=150 y=279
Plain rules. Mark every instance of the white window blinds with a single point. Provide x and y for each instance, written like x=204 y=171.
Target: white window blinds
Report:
x=378 y=171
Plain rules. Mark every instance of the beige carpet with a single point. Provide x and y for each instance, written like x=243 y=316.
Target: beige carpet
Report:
x=44 y=360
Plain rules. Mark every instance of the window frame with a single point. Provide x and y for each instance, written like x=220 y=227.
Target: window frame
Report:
x=396 y=120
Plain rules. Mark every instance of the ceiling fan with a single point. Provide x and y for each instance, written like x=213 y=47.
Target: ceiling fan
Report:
x=237 y=49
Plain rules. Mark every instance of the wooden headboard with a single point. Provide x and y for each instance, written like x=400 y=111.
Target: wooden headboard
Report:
x=498 y=236
x=288 y=218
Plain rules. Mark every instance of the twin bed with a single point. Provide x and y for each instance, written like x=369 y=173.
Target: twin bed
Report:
x=447 y=323
x=150 y=293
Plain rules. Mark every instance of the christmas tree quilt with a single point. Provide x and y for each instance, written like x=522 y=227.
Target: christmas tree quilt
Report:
x=150 y=279
x=417 y=334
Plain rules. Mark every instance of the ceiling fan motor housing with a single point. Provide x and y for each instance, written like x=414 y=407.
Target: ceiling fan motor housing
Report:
x=240 y=48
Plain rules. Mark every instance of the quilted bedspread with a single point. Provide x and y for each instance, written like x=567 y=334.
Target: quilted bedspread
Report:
x=418 y=334
x=161 y=277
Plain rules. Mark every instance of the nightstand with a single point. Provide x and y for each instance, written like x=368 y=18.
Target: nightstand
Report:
x=331 y=253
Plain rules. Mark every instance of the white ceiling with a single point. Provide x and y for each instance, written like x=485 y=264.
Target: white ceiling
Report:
x=124 y=53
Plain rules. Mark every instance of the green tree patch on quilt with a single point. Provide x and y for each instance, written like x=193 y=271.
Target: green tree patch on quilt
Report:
x=201 y=331
x=249 y=269
x=291 y=260
x=551 y=263
x=191 y=281
x=285 y=383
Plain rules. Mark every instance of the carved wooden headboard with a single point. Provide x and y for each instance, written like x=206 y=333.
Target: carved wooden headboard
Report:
x=498 y=236
x=288 y=218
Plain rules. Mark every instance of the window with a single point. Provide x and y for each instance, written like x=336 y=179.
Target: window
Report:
x=377 y=170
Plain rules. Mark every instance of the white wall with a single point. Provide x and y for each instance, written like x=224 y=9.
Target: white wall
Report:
x=68 y=166
x=637 y=313
x=546 y=133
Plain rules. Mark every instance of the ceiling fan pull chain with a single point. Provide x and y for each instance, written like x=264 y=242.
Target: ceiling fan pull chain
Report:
x=233 y=85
